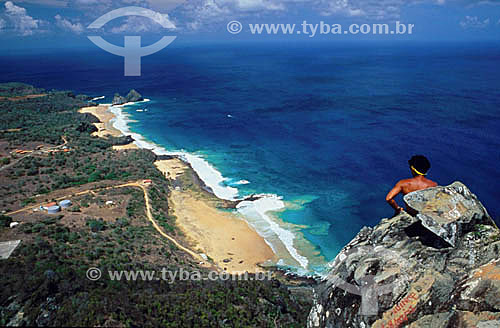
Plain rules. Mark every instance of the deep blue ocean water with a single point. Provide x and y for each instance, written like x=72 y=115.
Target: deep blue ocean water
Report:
x=329 y=127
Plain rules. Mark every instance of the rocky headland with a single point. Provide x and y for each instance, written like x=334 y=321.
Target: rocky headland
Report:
x=439 y=268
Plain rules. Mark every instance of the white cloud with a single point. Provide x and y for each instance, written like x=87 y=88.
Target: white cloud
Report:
x=2 y=24
x=473 y=22
x=165 y=5
x=252 y=5
x=140 y=24
x=343 y=7
x=51 y=3
x=22 y=22
x=202 y=12
x=163 y=20
x=68 y=25
x=376 y=10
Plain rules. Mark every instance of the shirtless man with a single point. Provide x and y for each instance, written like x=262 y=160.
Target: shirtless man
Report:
x=419 y=166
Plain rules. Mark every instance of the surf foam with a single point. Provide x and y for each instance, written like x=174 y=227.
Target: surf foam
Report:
x=258 y=209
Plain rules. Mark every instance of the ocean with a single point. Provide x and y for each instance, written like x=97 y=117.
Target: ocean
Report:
x=324 y=130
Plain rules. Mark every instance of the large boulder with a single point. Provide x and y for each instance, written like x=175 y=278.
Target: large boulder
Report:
x=401 y=273
x=449 y=211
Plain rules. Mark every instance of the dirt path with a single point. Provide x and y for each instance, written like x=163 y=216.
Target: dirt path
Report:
x=157 y=227
x=149 y=213
x=35 y=152
x=23 y=97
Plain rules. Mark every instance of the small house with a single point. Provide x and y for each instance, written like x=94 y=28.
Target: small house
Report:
x=46 y=206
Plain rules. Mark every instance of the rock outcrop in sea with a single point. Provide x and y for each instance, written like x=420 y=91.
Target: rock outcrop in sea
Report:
x=132 y=96
x=439 y=268
x=118 y=100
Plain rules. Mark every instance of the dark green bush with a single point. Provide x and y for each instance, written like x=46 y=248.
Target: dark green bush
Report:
x=96 y=225
x=5 y=221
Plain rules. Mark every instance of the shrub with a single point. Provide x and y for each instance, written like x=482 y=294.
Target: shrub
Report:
x=96 y=225
x=5 y=221
x=75 y=208
x=27 y=201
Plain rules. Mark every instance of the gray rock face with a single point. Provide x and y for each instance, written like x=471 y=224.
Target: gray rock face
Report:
x=480 y=289
x=400 y=273
x=447 y=211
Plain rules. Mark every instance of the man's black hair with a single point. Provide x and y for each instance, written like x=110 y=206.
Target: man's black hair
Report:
x=420 y=163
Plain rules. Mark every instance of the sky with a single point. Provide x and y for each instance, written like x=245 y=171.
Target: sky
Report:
x=64 y=23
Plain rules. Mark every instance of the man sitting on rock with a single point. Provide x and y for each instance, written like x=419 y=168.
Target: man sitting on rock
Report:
x=419 y=166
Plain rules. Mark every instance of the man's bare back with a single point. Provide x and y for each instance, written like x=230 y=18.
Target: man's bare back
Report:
x=418 y=182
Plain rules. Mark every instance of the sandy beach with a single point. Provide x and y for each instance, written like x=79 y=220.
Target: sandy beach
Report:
x=125 y=147
x=225 y=238
x=106 y=126
x=222 y=235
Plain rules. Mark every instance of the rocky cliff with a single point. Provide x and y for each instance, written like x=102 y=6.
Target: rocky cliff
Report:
x=439 y=268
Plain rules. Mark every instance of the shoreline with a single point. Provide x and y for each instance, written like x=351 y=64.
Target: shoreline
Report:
x=259 y=212
x=228 y=240
x=106 y=127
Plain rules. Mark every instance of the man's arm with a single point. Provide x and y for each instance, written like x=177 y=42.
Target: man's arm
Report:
x=390 y=197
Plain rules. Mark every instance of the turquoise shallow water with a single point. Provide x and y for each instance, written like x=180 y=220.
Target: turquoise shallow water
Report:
x=328 y=128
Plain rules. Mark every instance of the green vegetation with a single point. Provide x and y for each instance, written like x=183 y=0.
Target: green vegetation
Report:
x=16 y=89
x=58 y=288
x=45 y=278
x=96 y=225
x=5 y=220
x=65 y=254
x=46 y=120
